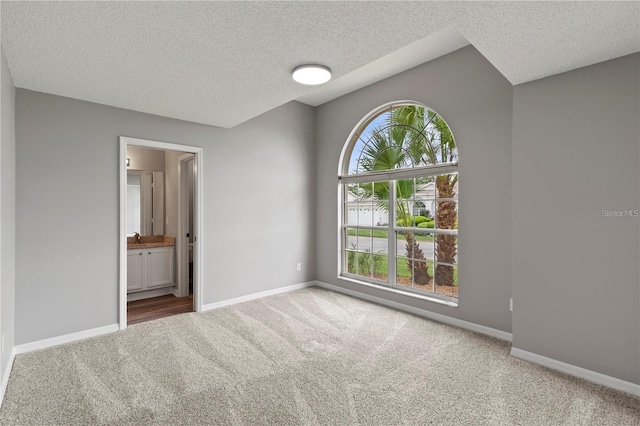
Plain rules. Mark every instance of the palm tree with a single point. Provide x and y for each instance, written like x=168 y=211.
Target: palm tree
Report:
x=433 y=143
x=388 y=150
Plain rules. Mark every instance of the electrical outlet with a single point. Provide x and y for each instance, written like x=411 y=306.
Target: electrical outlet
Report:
x=511 y=305
x=299 y=267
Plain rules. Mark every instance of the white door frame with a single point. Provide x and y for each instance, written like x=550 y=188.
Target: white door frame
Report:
x=197 y=219
x=182 y=247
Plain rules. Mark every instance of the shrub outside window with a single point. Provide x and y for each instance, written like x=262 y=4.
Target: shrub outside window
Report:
x=399 y=192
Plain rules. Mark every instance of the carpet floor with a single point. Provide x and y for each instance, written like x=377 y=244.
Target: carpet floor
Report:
x=306 y=357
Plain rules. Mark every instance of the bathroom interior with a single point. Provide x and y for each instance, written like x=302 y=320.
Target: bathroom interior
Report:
x=155 y=288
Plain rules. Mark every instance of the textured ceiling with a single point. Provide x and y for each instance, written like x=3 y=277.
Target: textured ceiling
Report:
x=222 y=63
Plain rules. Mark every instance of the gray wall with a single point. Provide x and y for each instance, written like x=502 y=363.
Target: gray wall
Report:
x=145 y=159
x=7 y=213
x=575 y=152
x=476 y=101
x=258 y=206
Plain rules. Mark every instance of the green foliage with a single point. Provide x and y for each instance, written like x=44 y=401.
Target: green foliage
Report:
x=378 y=262
x=402 y=269
x=412 y=221
x=366 y=262
x=351 y=260
x=420 y=219
x=429 y=225
x=432 y=141
x=406 y=222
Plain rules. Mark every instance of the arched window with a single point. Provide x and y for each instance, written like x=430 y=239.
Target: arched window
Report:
x=419 y=209
x=399 y=191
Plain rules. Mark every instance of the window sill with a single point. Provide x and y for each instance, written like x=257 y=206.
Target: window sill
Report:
x=403 y=293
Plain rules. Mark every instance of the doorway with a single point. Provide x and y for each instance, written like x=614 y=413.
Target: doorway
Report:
x=160 y=274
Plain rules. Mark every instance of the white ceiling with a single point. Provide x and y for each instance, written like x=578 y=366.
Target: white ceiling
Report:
x=222 y=63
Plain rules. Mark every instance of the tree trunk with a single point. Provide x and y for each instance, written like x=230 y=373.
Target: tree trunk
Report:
x=446 y=218
x=419 y=270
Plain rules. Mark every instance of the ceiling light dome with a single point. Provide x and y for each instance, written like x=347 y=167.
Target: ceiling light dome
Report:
x=311 y=75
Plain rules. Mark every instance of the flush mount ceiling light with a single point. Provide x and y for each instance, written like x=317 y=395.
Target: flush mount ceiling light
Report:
x=311 y=74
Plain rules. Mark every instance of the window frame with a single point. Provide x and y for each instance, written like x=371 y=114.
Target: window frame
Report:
x=392 y=229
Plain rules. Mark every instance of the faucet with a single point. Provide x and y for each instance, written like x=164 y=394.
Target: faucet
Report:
x=137 y=237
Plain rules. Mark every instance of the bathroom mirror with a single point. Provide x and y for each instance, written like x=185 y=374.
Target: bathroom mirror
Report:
x=145 y=202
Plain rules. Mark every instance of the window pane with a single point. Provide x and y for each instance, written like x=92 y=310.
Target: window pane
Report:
x=427 y=246
x=381 y=214
x=364 y=264
x=366 y=204
x=351 y=204
x=446 y=280
x=351 y=239
x=403 y=271
x=365 y=213
x=430 y=206
x=403 y=216
x=380 y=267
x=404 y=205
x=446 y=248
x=419 y=208
x=446 y=185
x=424 y=222
x=379 y=243
x=364 y=240
x=350 y=259
x=380 y=191
x=370 y=265
x=402 y=246
x=446 y=274
x=419 y=274
x=446 y=214
x=424 y=196
x=416 y=203
x=415 y=245
x=446 y=203
x=422 y=275
x=414 y=273
x=351 y=213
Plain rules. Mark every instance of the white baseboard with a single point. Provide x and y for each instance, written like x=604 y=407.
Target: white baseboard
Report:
x=582 y=373
x=254 y=296
x=503 y=335
x=67 y=338
x=5 y=375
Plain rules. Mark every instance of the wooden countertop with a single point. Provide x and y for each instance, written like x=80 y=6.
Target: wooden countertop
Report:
x=150 y=241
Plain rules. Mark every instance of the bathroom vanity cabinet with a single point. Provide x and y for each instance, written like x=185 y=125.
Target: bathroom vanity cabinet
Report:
x=149 y=268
